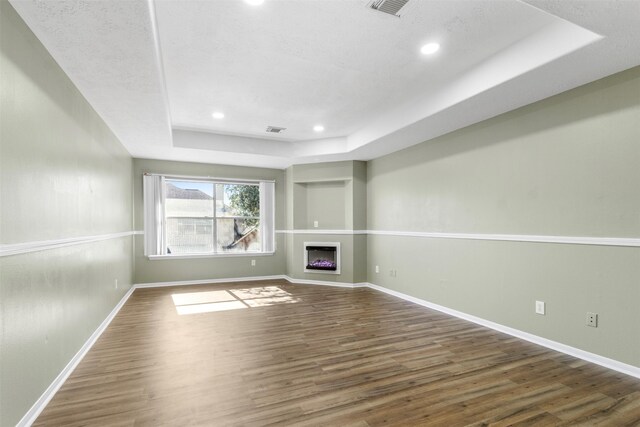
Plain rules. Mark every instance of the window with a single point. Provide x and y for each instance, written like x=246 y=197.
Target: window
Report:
x=193 y=216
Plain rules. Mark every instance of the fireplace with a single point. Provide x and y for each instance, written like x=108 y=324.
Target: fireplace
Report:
x=322 y=257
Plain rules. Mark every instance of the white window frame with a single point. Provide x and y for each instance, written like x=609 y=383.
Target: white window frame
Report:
x=155 y=244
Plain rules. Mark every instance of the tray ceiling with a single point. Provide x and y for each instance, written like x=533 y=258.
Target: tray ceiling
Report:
x=156 y=70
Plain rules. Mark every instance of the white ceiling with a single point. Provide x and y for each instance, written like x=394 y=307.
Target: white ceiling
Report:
x=155 y=70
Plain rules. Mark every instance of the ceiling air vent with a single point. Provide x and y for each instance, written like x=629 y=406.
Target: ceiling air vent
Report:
x=275 y=129
x=392 y=7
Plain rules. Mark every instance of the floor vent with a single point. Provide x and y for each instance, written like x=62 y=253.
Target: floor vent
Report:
x=391 y=7
x=275 y=129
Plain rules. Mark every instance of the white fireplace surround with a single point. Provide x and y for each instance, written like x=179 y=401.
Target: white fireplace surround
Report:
x=335 y=245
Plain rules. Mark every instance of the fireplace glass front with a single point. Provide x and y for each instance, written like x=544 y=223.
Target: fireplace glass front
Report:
x=322 y=258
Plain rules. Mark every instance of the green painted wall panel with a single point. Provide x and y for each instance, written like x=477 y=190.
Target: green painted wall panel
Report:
x=51 y=302
x=288 y=199
x=168 y=270
x=57 y=155
x=359 y=197
x=565 y=166
x=360 y=258
x=326 y=203
x=500 y=282
x=314 y=172
x=62 y=174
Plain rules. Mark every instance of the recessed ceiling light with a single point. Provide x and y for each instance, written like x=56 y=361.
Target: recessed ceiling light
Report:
x=254 y=2
x=218 y=115
x=430 y=48
x=318 y=128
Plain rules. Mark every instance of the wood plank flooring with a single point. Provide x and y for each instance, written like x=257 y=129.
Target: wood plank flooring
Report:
x=321 y=356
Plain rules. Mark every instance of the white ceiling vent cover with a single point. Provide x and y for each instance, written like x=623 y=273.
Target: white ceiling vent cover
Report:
x=392 y=7
x=275 y=129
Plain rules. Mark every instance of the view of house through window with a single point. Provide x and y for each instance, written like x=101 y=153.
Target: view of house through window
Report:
x=211 y=217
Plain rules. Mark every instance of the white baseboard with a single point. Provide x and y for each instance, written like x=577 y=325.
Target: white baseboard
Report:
x=208 y=281
x=251 y=279
x=615 y=365
x=48 y=394
x=324 y=283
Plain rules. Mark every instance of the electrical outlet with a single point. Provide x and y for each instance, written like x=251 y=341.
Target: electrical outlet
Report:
x=377 y=269
x=393 y=273
x=116 y=283
x=540 y=309
x=592 y=320
x=315 y=224
x=253 y=263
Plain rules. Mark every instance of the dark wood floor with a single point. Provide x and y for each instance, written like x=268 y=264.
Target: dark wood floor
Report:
x=323 y=356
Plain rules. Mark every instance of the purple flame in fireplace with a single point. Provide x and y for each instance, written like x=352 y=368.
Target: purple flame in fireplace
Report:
x=322 y=263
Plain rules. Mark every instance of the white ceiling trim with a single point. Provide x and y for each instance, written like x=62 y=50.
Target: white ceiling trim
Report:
x=157 y=48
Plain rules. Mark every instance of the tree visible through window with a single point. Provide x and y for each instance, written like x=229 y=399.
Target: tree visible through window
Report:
x=211 y=217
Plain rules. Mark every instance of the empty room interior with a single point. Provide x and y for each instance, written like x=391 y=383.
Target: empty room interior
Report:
x=319 y=212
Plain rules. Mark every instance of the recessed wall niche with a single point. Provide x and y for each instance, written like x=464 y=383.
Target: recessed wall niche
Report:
x=321 y=203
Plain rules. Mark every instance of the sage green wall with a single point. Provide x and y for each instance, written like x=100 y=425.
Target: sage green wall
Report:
x=62 y=174
x=322 y=172
x=328 y=215
x=565 y=166
x=166 y=270
x=359 y=196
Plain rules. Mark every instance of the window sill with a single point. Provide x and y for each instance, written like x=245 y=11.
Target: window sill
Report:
x=221 y=255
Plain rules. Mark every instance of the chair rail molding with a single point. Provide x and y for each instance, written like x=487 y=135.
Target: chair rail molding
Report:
x=43 y=245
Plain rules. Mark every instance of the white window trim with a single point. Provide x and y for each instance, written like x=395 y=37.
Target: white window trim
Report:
x=268 y=241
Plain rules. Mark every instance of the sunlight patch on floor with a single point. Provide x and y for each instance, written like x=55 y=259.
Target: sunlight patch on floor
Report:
x=263 y=302
x=262 y=292
x=209 y=308
x=202 y=297
x=232 y=299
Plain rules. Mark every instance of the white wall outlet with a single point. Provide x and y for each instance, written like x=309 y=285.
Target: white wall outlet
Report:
x=377 y=269
x=253 y=263
x=540 y=308
x=592 y=320
x=116 y=283
x=315 y=224
x=393 y=273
